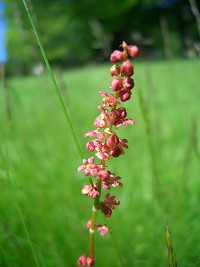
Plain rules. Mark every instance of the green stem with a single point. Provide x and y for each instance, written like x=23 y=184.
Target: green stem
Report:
x=20 y=211
x=115 y=244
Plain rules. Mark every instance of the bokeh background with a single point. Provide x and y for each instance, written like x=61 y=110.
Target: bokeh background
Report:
x=42 y=212
x=77 y=32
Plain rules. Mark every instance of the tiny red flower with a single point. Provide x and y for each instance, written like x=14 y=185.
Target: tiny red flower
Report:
x=116 y=56
x=110 y=201
x=125 y=95
x=115 y=152
x=106 y=210
x=89 y=223
x=103 y=229
x=89 y=191
x=112 y=141
x=127 y=68
x=82 y=260
x=116 y=84
x=115 y=70
x=89 y=167
x=85 y=260
x=133 y=50
x=109 y=100
x=99 y=135
x=128 y=83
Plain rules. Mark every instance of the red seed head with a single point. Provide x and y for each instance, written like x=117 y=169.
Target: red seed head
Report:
x=116 y=84
x=116 y=56
x=112 y=141
x=124 y=95
x=133 y=50
x=115 y=152
x=115 y=70
x=121 y=112
x=127 y=68
x=128 y=83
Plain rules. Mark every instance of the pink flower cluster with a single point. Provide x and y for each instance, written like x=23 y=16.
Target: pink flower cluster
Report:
x=106 y=143
x=85 y=260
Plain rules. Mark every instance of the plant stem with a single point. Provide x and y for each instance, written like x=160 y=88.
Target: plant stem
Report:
x=115 y=245
x=171 y=256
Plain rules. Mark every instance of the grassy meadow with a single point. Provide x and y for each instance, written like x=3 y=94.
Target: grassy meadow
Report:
x=42 y=211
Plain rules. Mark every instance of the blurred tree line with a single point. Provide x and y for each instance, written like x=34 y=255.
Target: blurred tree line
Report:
x=80 y=31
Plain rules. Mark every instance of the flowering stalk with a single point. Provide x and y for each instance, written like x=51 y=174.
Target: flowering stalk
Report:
x=107 y=144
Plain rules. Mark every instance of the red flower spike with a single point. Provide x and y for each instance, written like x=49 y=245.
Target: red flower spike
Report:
x=106 y=144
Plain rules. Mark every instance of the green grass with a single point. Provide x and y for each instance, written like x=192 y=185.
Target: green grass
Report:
x=42 y=162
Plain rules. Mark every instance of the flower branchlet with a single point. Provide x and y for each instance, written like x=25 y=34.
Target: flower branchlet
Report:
x=107 y=144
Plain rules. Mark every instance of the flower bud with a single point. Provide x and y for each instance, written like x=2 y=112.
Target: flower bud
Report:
x=115 y=70
x=121 y=112
x=128 y=83
x=112 y=141
x=116 y=56
x=116 y=84
x=127 y=68
x=115 y=152
x=124 y=95
x=133 y=51
x=106 y=210
x=89 y=223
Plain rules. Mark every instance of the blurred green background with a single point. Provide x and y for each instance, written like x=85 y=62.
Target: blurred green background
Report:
x=76 y=32
x=40 y=186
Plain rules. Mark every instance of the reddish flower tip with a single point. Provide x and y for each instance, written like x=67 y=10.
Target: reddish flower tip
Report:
x=85 y=260
x=116 y=56
x=133 y=50
x=127 y=68
x=115 y=70
x=116 y=84
x=124 y=95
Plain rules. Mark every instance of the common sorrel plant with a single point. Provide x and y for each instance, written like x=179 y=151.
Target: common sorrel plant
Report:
x=107 y=144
